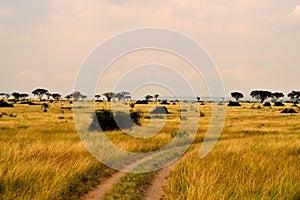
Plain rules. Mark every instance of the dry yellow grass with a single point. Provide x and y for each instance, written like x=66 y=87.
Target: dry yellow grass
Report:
x=42 y=157
x=257 y=156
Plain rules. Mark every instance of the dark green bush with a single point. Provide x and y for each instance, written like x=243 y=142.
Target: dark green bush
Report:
x=108 y=120
x=160 y=110
x=287 y=110
x=234 y=103
x=5 y=104
x=141 y=102
x=267 y=104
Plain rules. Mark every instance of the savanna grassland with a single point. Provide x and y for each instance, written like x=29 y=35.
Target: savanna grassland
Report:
x=257 y=156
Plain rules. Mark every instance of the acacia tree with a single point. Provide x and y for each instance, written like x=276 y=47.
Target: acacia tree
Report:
x=83 y=96
x=237 y=95
x=39 y=92
x=48 y=94
x=16 y=95
x=294 y=96
x=260 y=95
x=56 y=96
x=4 y=95
x=277 y=95
x=69 y=96
x=198 y=99
x=76 y=95
x=119 y=96
x=122 y=95
x=109 y=95
x=97 y=96
x=148 y=97
x=23 y=96
x=127 y=97
x=156 y=97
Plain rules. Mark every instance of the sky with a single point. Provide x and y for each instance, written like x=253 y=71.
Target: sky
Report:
x=255 y=44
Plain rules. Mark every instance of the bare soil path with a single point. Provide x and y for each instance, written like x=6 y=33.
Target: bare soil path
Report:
x=100 y=190
x=154 y=191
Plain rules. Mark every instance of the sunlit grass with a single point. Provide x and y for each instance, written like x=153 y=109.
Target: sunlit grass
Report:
x=42 y=157
x=257 y=156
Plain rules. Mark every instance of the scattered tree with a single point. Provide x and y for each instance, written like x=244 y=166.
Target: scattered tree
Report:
x=148 y=97
x=294 y=96
x=156 y=97
x=277 y=95
x=76 y=95
x=260 y=95
x=56 y=96
x=23 y=96
x=4 y=95
x=97 y=96
x=69 y=96
x=122 y=95
x=45 y=106
x=198 y=99
x=16 y=95
x=119 y=96
x=127 y=97
x=109 y=95
x=132 y=105
x=237 y=95
x=83 y=97
x=48 y=94
x=39 y=92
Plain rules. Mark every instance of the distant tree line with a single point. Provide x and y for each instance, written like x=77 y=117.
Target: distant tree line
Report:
x=262 y=95
x=40 y=93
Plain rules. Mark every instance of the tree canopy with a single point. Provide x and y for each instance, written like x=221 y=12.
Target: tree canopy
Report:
x=109 y=95
x=277 y=95
x=261 y=95
x=237 y=95
x=148 y=97
x=294 y=96
x=39 y=92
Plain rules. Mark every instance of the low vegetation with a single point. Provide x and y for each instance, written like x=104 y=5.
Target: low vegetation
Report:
x=256 y=157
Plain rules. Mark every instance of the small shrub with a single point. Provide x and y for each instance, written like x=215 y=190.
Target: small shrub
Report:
x=259 y=107
x=141 y=102
x=164 y=102
x=234 y=103
x=202 y=114
x=160 y=110
x=267 y=104
x=5 y=104
x=287 y=110
x=136 y=116
x=108 y=120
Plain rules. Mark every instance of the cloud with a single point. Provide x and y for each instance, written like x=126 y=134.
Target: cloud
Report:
x=295 y=15
x=244 y=73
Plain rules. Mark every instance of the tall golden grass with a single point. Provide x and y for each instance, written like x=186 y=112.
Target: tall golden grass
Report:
x=257 y=156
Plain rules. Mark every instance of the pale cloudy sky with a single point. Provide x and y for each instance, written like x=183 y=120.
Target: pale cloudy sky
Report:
x=255 y=44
